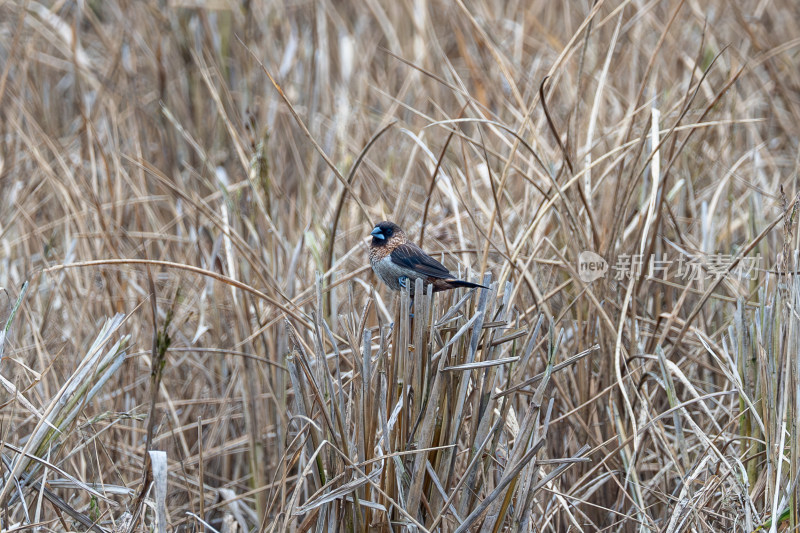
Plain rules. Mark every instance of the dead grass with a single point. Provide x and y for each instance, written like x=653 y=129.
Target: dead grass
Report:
x=185 y=191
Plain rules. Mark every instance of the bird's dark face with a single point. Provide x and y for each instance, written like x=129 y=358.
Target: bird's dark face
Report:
x=384 y=232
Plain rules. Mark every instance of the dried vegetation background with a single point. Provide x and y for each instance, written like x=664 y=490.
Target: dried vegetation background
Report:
x=192 y=340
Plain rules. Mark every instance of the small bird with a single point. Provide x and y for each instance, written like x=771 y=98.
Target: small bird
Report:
x=398 y=262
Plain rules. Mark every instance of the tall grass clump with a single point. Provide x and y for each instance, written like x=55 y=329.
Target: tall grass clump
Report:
x=378 y=422
x=192 y=338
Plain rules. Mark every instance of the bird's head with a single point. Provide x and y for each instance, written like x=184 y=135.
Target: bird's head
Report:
x=386 y=232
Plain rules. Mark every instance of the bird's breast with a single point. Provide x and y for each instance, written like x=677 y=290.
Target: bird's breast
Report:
x=390 y=273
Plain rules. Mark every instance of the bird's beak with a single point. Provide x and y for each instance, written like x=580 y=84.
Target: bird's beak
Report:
x=377 y=234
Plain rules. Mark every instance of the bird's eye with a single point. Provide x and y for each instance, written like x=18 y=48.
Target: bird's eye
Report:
x=389 y=231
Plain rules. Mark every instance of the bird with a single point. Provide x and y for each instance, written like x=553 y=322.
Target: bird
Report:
x=398 y=262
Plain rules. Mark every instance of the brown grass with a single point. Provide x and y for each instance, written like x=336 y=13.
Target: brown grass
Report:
x=185 y=192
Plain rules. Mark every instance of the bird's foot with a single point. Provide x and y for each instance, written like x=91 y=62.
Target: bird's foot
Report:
x=403 y=280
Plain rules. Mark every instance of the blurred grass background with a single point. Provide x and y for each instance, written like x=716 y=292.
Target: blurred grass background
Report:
x=149 y=167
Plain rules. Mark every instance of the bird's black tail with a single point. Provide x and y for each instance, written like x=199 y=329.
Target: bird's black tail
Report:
x=468 y=284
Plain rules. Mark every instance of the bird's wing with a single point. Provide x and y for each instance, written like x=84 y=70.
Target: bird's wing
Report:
x=411 y=256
